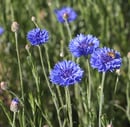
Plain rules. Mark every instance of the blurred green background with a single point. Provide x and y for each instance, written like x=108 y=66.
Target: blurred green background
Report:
x=109 y=20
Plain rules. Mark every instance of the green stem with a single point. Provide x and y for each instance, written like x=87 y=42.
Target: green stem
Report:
x=69 y=33
x=129 y=69
x=34 y=71
x=35 y=24
x=128 y=101
x=21 y=78
x=68 y=29
x=45 y=117
x=60 y=96
x=7 y=114
x=14 y=116
x=117 y=80
x=89 y=85
x=19 y=64
x=89 y=91
x=57 y=109
x=79 y=98
x=68 y=103
x=119 y=107
x=101 y=99
x=47 y=56
x=52 y=93
x=43 y=68
x=57 y=87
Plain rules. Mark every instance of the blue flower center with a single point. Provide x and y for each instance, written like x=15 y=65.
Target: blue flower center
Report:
x=108 y=57
x=65 y=16
x=38 y=36
x=84 y=45
x=66 y=73
x=111 y=54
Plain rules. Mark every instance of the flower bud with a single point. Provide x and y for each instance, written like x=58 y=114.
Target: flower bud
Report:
x=33 y=18
x=49 y=3
x=118 y=72
x=27 y=47
x=109 y=125
x=3 y=85
x=15 y=27
x=14 y=106
x=61 y=54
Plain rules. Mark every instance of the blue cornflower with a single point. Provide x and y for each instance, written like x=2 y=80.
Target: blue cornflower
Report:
x=66 y=73
x=65 y=13
x=105 y=59
x=83 y=45
x=38 y=36
x=1 y=30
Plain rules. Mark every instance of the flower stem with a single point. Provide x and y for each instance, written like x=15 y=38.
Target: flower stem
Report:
x=117 y=80
x=89 y=87
x=47 y=56
x=19 y=64
x=52 y=93
x=129 y=69
x=68 y=29
x=60 y=96
x=68 y=103
x=43 y=68
x=14 y=116
x=20 y=75
x=34 y=71
x=101 y=99
x=35 y=24
x=89 y=91
x=69 y=33
x=128 y=101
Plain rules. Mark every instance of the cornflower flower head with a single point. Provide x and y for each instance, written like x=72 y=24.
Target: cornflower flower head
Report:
x=38 y=36
x=66 y=73
x=65 y=13
x=83 y=45
x=14 y=106
x=105 y=59
x=1 y=30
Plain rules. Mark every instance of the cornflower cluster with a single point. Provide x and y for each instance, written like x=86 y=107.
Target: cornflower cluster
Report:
x=68 y=72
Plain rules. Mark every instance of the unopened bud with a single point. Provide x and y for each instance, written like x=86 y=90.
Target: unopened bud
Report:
x=27 y=47
x=99 y=88
x=61 y=54
x=15 y=27
x=33 y=18
x=109 y=125
x=118 y=72
x=3 y=85
x=49 y=3
x=14 y=106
